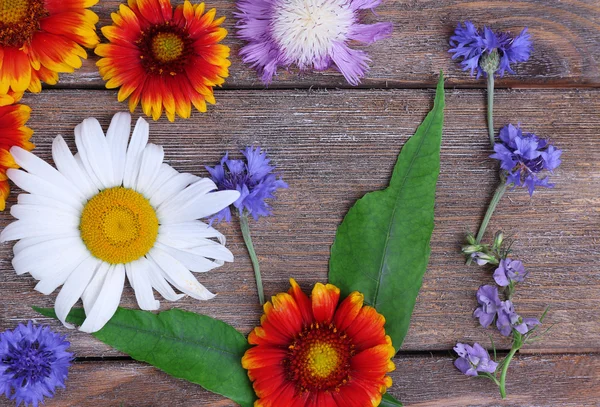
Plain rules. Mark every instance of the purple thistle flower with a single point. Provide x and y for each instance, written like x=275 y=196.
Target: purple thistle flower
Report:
x=472 y=45
x=307 y=33
x=508 y=271
x=473 y=359
x=524 y=156
x=254 y=179
x=489 y=301
x=509 y=319
x=33 y=362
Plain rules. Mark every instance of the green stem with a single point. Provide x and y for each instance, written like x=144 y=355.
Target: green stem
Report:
x=490 y=108
x=248 y=240
x=505 y=364
x=490 y=211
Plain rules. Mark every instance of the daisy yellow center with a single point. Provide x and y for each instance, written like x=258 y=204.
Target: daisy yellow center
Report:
x=306 y=29
x=319 y=359
x=19 y=20
x=118 y=225
x=167 y=46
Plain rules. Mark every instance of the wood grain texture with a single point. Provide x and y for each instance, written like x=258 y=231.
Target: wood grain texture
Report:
x=419 y=381
x=333 y=147
x=565 y=33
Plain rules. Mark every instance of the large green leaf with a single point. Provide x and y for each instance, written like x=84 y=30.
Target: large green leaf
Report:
x=186 y=345
x=382 y=247
x=389 y=401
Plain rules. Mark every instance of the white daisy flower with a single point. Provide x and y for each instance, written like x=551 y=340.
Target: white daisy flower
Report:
x=113 y=209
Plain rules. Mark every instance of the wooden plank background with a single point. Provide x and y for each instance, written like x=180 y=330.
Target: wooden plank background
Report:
x=333 y=144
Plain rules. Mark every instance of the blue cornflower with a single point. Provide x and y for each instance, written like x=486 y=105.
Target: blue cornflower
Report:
x=524 y=156
x=474 y=47
x=33 y=362
x=253 y=179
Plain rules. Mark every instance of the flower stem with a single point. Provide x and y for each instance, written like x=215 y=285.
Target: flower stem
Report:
x=505 y=365
x=248 y=240
x=490 y=211
x=490 y=108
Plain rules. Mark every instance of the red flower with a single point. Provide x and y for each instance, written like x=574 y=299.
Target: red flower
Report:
x=164 y=58
x=318 y=353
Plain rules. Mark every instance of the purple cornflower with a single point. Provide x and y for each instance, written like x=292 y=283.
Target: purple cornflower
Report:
x=473 y=359
x=33 y=362
x=474 y=47
x=509 y=319
x=508 y=271
x=524 y=156
x=489 y=301
x=254 y=179
x=307 y=33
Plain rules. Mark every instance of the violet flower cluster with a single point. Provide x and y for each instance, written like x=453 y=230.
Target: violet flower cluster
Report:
x=33 y=362
x=473 y=360
x=487 y=51
x=524 y=156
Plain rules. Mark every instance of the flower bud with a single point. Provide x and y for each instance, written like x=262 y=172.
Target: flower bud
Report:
x=470 y=249
x=498 y=239
x=490 y=62
x=471 y=239
x=483 y=258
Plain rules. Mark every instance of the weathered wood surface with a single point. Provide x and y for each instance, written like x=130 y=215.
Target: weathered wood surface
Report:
x=567 y=50
x=419 y=381
x=333 y=147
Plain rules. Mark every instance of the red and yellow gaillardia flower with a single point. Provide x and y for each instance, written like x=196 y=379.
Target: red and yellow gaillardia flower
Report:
x=164 y=58
x=39 y=39
x=318 y=352
x=13 y=132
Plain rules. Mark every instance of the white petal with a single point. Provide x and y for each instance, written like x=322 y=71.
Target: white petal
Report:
x=191 y=261
x=199 y=247
x=117 y=137
x=107 y=300
x=46 y=255
x=201 y=187
x=138 y=278
x=91 y=292
x=152 y=158
x=21 y=229
x=50 y=282
x=165 y=174
x=189 y=231
x=66 y=164
x=178 y=275
x=41 y=214
x=157 y=279
x=101 y=159
x=139 y=138
x=83 y=155
x=30 y=241
x=36 y=166
x=74 y=287
x=38 y=186
x=172 y=187
x=30 y=199
x=200 y=207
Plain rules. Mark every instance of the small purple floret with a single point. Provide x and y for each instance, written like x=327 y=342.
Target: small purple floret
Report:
x=473 y=359
x=509 y=271
x=253 y=179
x=471 y=45
x=33 y=362
x=524 y=157
x=489 y=301
x=509 y=319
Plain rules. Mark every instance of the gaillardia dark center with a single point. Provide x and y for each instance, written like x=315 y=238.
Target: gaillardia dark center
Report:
x=164 y=49
x=19 y=20
x=319 y=359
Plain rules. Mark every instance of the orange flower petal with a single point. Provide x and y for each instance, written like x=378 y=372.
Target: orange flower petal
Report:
x=324 y=301
x=367 y=329
x=304 y=303
x=348 y=310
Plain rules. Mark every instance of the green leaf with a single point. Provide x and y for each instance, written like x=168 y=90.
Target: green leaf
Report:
x=388 y=401
x=382 y=247
x=186 y=345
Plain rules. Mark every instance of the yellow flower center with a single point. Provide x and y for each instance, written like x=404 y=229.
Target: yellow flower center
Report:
x=322 y=359
x=118 y=225
x=167 y=46
x=19 y=19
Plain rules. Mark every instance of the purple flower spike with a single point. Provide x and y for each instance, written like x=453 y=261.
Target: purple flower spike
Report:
x=253 y=178
x=472 y=46
x=489 y=301
x=311 y=34
x=473 y=359
x=508 y=271
x=509 y=319
x=33 y=362
x=524 y=156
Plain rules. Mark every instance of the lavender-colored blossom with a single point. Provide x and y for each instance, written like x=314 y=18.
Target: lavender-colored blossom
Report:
x=307 y=33
x=509 y=271
x=253 y=179
x=33 y=362
x=473 y=359
x=482 y=258
x=489 y=301
x=508 y=319
x=472 y=45
x=524 y=157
